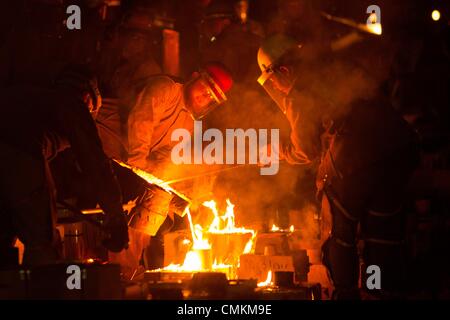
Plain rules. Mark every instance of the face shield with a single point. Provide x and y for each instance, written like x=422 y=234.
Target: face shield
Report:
x=276 y=78
x=204 y=95
x=277 y=86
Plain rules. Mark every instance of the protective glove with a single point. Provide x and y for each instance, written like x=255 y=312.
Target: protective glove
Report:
x=116 y=227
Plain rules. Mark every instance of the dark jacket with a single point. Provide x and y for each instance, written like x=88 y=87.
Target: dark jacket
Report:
x=43 y=122
x=361 y=117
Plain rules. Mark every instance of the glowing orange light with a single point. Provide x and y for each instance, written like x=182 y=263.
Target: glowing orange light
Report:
x=197 y=258
x=435 y=15
x=268 y=281
x=375 y=28
x=275 y=228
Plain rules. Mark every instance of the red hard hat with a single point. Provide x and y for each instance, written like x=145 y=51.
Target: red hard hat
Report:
x=219 y=77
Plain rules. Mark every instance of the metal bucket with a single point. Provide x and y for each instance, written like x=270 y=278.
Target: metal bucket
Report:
x=151 y=211
x=228 y=247
x=74 y=244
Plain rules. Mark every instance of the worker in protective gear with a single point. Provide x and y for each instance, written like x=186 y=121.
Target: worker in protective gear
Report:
x=37 y=123
x=371 y=153
x=162 y=105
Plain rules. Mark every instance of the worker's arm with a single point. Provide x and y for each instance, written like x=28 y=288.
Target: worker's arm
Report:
x=143 y=118
x=79 y=128
x=304 y=143
x=81 y=132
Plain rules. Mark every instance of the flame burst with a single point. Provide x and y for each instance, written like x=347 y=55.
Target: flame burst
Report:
x=227 y=220
x=268 y=281
x=198 y=258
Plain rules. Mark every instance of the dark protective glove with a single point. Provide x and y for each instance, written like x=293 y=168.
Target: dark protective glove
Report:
x=116 y=227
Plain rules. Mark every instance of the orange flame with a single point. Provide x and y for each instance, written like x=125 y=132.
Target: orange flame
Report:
x=225 y=224
x=193 y=261
x=275 y=228
x=215 y=225
x=268 y=281
x=228 y=219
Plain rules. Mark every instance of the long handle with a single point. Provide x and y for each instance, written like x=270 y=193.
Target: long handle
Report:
x=78 y=213
x=151 y=179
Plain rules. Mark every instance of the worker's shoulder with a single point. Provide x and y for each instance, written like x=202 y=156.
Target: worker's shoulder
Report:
x=160 y=83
